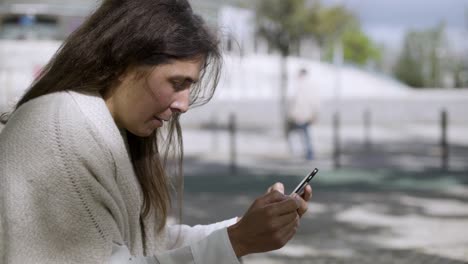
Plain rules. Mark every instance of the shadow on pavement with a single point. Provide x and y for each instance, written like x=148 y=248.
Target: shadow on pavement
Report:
x=356 y=215
x=414 y=154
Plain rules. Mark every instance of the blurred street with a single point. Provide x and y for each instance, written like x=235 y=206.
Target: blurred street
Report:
x=377 y=208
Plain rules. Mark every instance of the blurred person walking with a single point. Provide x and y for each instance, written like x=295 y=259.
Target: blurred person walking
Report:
x=303 y=108
x=92 y=154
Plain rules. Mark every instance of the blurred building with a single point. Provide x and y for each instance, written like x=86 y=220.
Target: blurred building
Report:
x=30 y=33
x=41 y=20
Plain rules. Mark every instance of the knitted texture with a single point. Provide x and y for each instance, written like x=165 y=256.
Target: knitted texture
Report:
x=68 y=191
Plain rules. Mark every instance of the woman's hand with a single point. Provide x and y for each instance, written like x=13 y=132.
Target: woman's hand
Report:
x=303 y=199
x=276 y=187
x=269 y=223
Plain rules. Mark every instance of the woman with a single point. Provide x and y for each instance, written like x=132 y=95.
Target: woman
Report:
x=85 y=155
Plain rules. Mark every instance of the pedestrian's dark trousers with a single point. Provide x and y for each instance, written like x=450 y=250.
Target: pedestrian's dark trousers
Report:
x=305 y=130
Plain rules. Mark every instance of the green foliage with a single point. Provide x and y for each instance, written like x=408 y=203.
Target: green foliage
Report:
x=281 y=22
x=327 y=24
x=408 y=68
x=421 y=62
x=284 y=23
x=358 y=48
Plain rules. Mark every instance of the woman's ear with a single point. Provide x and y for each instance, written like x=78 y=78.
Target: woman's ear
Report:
x=136 y=73
x=121 y=78
x=125 y=74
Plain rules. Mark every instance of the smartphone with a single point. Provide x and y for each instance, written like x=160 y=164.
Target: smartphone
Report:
x=300 y=187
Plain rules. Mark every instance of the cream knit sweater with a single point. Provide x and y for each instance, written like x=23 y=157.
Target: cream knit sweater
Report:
x=68 y=193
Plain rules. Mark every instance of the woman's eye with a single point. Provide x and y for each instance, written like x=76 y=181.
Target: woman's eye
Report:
x=178 y=85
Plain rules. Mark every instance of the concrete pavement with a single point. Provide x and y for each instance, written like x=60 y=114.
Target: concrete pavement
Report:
x=382 y=209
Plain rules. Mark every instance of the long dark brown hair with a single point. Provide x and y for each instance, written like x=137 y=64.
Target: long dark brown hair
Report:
x=126 y=33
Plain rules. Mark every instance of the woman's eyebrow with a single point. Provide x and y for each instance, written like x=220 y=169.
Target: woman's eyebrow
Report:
x=183 y=78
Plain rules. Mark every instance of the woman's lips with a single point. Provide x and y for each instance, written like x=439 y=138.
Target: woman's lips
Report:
x=161 y=119
x=157 y=121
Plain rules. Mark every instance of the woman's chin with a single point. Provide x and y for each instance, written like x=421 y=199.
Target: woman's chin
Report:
x=144 y=131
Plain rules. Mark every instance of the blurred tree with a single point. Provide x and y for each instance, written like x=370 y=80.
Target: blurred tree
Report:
x=423 y=59
x=284 y=23
x=437 y=51
x=460 y=72
x=408 y=68
x=357 y=48
x=328 y=24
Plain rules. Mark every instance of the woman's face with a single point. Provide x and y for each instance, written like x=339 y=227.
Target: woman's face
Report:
x=142 y=104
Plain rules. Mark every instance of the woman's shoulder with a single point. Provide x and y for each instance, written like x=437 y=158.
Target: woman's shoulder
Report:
x=70 y=118
x=64 y=102
x=59 y=107
x=44 y=109
x=54 y=126
x=39 y=114
x=65 y=122
x=58 y=114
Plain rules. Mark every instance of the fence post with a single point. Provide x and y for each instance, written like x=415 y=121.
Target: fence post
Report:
x=232 y=136
x=444 y=147
x=367 y=129
x=336 y=141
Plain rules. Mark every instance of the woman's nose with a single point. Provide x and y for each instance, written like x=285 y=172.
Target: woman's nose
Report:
x=181 y=103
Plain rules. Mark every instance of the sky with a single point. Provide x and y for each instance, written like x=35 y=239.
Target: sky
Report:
x=386 y=21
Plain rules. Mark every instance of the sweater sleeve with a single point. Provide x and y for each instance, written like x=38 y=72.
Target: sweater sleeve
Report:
x=182 y=235
x=216 y=248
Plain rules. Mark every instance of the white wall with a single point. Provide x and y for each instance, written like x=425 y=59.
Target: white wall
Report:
x=20 y=62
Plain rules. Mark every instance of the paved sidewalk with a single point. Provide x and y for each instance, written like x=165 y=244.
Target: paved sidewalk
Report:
x=362 y=213
x=355 y=216
x=389 y=148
